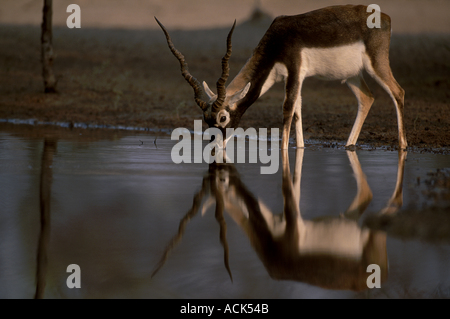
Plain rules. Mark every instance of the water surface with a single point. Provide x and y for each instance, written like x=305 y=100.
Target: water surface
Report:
x=112 y=202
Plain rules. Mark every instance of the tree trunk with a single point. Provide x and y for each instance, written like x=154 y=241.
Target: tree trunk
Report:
x=47 y=48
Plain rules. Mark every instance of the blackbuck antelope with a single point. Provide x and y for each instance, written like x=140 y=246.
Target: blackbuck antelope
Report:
x=331 y=252
x=332 y=43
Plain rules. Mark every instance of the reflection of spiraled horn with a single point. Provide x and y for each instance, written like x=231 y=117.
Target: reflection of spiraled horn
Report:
x=221 y=91
x=185 y=71
x=220 y=205
x=207 y=185
x=183 y=223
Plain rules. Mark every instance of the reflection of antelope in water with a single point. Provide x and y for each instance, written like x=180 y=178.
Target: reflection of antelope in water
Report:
x=331 y=252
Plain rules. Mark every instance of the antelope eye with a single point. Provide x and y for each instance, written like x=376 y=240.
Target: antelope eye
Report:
x=223 y=119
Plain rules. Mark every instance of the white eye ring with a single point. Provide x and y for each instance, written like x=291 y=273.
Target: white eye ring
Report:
x=223 y=118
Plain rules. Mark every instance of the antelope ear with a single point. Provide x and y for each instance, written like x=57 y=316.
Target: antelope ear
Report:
x=239 y=95
x=208 y=91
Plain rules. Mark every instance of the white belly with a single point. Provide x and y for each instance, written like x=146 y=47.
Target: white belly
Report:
x=337 y=63
x=278 y=73
x=340 y=237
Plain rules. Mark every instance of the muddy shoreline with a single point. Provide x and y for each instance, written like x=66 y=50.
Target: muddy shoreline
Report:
x=128 y=78
x=31 y=125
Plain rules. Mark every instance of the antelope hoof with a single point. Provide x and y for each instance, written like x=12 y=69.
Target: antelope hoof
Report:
x=351 y=147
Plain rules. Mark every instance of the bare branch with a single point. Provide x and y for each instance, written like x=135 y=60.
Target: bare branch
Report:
x=47 y=48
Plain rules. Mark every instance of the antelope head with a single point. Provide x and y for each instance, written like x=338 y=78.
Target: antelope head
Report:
x=220 y=111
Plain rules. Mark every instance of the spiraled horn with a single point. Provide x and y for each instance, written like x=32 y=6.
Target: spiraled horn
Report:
x=221 y=90
x=198 y=92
